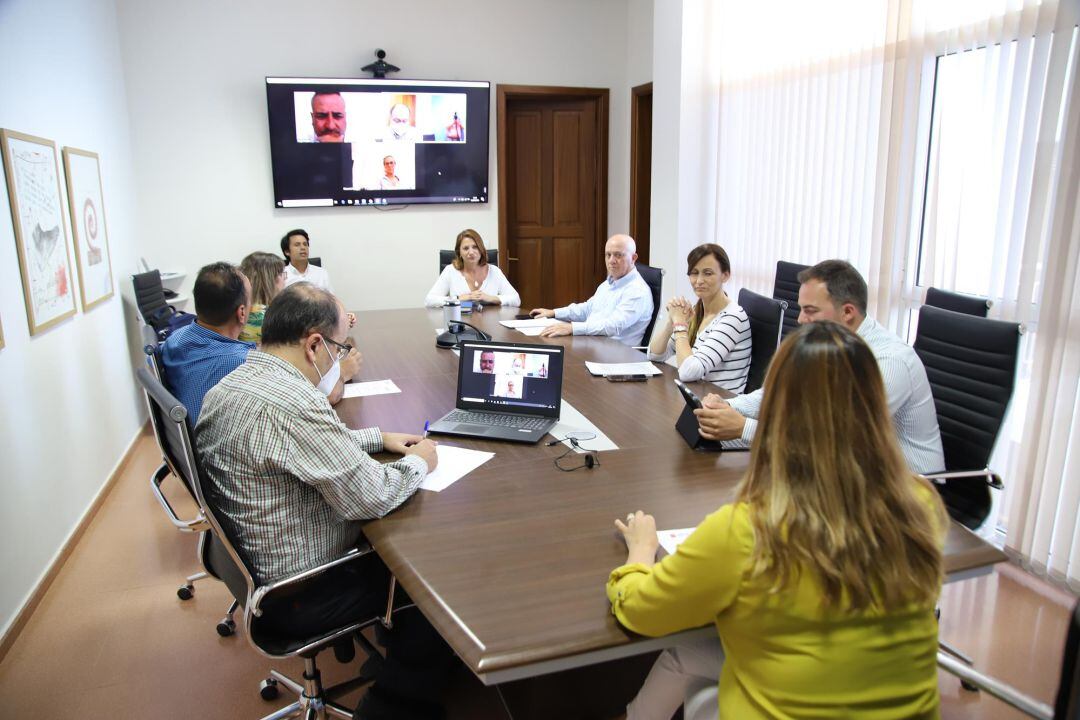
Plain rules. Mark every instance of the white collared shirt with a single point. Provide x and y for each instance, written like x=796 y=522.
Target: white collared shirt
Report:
x=620 y=309
x=907 y=390
x=314 y=275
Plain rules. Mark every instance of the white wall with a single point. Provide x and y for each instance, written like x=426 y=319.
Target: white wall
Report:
x=68 y=408
x=195 y=74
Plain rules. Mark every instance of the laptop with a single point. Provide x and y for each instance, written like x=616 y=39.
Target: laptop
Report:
x=505 y=391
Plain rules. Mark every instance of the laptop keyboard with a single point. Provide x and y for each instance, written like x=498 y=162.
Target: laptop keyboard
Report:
x=482 y=418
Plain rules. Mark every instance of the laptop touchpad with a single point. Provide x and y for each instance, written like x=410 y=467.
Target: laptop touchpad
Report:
x=467 y=428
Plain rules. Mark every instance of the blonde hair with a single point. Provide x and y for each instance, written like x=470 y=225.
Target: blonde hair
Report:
x=262 y=270
x=469 y=234
x=828 y=489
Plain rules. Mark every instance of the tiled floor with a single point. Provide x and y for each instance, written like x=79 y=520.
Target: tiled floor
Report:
x=110 y=639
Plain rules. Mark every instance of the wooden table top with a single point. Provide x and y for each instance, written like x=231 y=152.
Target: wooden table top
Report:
x=509 y=563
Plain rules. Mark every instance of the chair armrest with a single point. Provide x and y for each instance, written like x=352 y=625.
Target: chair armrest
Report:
x=263 y=590
x=196 y=524
x=992 y=478
x=995 y=687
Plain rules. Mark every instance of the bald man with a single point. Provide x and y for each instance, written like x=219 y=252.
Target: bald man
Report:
x=621 y=307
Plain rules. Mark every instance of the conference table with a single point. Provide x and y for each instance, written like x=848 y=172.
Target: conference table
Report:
x=509 y=563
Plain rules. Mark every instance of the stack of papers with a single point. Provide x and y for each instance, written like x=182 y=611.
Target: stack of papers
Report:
x=530 y=327
x=374 y=387
x=634 y=368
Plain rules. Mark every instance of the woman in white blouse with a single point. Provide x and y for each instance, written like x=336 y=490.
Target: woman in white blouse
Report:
x=470 y=277
x=711 y=338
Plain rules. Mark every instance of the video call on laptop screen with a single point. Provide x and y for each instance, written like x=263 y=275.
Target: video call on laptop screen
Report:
x=511 y=378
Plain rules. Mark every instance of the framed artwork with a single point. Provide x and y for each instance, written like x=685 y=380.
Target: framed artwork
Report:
x=1 y=336
x=83 y=172
x=33 y=182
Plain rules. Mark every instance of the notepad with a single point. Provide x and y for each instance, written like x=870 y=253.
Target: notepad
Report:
x=454 y=464
x=530 y=323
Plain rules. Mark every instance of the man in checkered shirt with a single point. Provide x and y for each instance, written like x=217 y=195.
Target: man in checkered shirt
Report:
x=294 y=483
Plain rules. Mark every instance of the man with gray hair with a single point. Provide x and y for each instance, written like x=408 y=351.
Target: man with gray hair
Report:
x=621 y=308
x=295 y=483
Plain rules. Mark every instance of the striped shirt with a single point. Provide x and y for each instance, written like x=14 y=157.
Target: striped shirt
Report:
x=721 y=352
x=908 y=392
x=620 y=309
x=287 y=476
x=195 y=359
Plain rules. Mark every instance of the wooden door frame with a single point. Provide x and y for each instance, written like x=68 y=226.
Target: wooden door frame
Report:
x=636 y=94
x=503 y=95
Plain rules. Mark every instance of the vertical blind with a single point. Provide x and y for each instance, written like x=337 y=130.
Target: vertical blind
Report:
x=931 y=143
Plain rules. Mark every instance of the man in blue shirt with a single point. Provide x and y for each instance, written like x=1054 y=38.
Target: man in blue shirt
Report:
x=197 y=356
x=621 y=308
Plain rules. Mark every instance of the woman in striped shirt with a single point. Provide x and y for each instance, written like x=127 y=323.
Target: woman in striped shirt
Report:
x=710 y=340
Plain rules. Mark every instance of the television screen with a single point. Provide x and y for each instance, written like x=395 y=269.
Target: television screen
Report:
x=339 y=142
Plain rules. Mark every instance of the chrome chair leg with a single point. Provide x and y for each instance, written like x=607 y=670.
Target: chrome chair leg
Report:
x=312 y=702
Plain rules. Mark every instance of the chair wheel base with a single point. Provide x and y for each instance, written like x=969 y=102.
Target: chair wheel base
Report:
x=226 y=627
x=968 y=686
x=185 y=592
x=268 y=689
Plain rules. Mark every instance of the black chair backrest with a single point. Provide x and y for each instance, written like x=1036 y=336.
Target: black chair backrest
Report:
x=1067 y=704
x=176 y=443
x=766 y=320
x=447 y=256
x=316 y=261
x=654 y=278
x=971 y=365
x=786 y=288
x=150 y=299
x=957 y=302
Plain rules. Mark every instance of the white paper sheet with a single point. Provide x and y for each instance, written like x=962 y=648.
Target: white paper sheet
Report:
x=633 y=368
x=671 y=539
x=530 y=323
x=454 y=464
x=530 y=331
x=572 y=421
x=372 y=387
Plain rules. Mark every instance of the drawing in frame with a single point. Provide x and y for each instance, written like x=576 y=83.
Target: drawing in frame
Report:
x=1 y=336
x=33 y=181
x=83 y=171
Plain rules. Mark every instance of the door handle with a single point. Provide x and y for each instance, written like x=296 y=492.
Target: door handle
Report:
x=512 y=259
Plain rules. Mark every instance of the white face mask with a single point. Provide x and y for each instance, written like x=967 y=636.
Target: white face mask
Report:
x=329 y=380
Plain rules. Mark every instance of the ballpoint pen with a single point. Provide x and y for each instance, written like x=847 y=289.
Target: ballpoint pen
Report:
x=427 y=424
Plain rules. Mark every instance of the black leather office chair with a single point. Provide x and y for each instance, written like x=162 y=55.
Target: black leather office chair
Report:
x=766 y=320
x=654 y=278
x=1066 y=703
x=316 y=261
x=971 y=364
x=150 y=299
x=224 y=562
x=447 y=256
x=198 y=524
x=957 y=302
x=786 y=288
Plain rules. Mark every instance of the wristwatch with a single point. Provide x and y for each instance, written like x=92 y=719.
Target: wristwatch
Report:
x=678 y=328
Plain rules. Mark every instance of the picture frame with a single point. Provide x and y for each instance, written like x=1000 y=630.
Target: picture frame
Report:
x=86 y=204
x=33 y=181
x=1 y=335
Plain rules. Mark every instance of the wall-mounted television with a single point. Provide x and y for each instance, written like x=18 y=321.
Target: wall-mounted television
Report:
x=336 y=142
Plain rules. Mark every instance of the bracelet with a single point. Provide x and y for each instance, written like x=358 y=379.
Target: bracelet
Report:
x=679 y=327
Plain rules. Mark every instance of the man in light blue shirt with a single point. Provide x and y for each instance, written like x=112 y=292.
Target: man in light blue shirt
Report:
x=621 y=308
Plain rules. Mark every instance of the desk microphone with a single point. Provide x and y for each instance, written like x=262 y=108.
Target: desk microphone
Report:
x=456 y=332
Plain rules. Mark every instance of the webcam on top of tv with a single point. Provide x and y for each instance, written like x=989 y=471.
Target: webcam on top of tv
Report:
x=380 y=67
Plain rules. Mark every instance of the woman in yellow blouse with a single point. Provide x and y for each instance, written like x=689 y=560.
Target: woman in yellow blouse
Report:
x=821 y=577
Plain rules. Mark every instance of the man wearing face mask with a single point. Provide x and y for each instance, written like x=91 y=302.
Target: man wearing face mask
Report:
x=296 y=483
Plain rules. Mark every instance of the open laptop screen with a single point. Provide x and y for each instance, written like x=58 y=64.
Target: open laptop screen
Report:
x=511 y=377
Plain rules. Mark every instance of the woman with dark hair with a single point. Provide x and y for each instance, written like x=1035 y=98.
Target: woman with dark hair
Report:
x=266 y=273
x=710 y=340
x=471 y=277
x=821 y=577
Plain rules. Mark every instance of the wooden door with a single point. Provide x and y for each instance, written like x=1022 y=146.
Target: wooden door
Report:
x=641 y=167
x=552 y=191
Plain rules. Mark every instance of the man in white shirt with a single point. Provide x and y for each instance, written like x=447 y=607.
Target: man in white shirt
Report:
x=296 y=246
x=834 y=290
x=621 y=308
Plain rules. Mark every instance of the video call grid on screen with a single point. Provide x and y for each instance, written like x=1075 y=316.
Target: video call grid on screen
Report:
x=338 y=141
x=511 y=376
